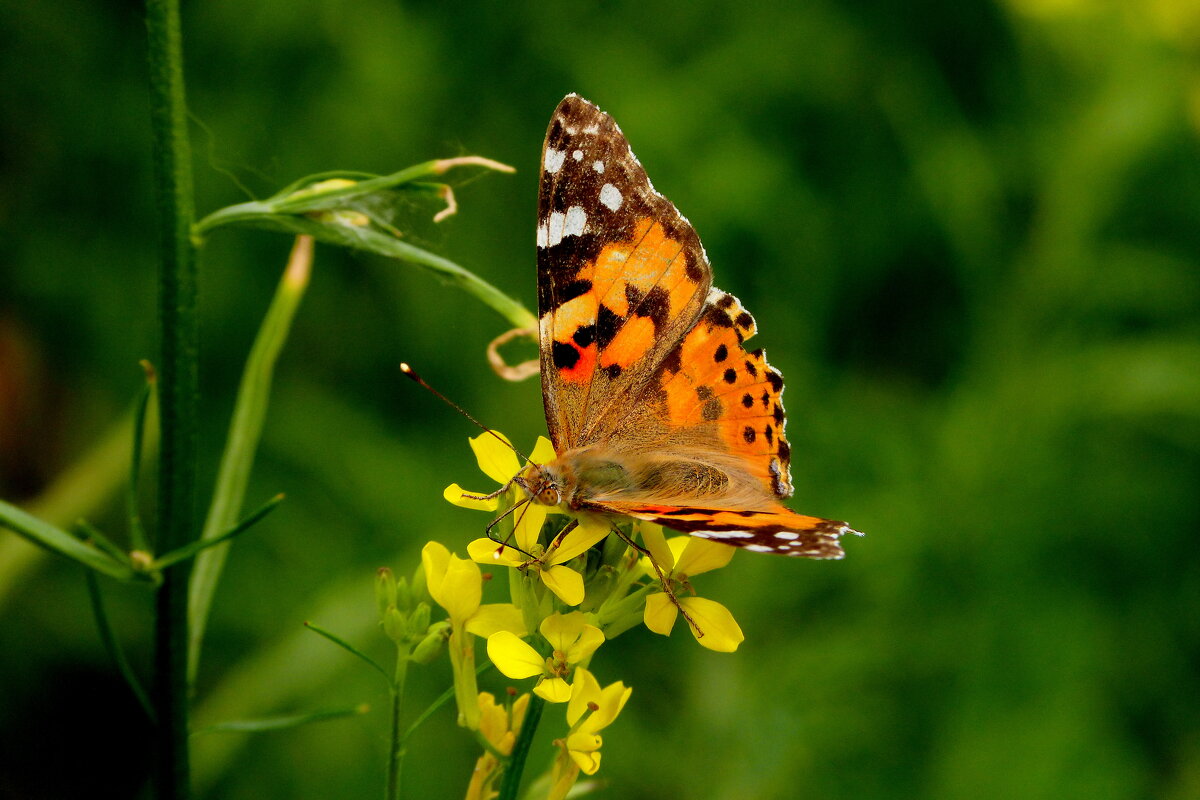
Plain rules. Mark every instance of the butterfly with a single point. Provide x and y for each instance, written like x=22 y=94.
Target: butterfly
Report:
x=655 y=408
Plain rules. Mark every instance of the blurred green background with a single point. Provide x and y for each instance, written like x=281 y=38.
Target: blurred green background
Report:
x=969 y=233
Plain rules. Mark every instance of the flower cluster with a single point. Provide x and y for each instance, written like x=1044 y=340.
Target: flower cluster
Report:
x=572 y=587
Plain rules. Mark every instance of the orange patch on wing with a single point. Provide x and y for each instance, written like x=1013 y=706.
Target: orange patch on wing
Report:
x=581 y=370
x=635 y=338
x=575 y=314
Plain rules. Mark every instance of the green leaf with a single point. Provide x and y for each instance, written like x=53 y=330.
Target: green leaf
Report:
x=337 y=208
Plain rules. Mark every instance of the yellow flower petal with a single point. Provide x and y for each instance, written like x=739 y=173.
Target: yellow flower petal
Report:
x=721 y=631
x=584 y=690
x=656 y=543
x=489 y=552
x=660 y=613
x=434 y=557
x=494 y=617
x=513 y=657
x=561 y=630
x=586 y=533
x=702 y=555
x=529 y=519
x=495 y=456
x=493 y=719
x=543 y=451
x=589 y=639
x=588 y=761
x=460 y=590
x=457 y=495
x=553 y=690
x=612 y=699
x=564 y=582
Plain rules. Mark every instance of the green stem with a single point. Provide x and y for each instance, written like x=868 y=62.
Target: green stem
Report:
x=399 y=746
x=178 y=390
x=510 y=783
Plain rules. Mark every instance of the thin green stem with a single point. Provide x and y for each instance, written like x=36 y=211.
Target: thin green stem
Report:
x=399 y=746
x=113 y=645
x=510 y=783
x=177 y=390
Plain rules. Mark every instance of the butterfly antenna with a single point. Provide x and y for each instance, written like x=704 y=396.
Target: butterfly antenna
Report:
x=410 y=372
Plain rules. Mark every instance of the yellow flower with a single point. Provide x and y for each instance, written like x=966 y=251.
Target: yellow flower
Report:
x=456 y=585
x=679 y=559
x=499 y=726
x=590 y=710
x=572 y=642
x=546 y=562
x=496 y=458
x=499 y=462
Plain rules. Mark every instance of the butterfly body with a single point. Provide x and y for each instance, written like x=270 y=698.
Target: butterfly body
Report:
x=655 y=408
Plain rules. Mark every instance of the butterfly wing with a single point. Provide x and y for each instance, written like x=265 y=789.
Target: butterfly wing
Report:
x=622 y=276
x=771 y=530
x=651 y=398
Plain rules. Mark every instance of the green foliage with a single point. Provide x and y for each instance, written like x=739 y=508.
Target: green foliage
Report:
x=968 y=234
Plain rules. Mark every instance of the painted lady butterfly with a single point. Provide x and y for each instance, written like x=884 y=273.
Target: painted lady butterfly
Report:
x=655 y=408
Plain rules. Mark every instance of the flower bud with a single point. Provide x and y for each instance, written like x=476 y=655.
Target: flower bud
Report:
x=418 y=621
x=385 y=590
x=431 y=646
x=393 y=625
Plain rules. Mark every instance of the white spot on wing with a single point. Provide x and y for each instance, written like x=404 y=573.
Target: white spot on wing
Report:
x=554 y=160
x=787 y=535
x=592 y=129
x=598 y=166
x=760 y=548
x=611 y=196
x=554 y=228
x=576 y=221
x=577 y=155
x=559 y=226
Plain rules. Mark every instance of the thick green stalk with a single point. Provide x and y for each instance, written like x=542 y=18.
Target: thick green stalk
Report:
x=510 y=782
x=178 y=390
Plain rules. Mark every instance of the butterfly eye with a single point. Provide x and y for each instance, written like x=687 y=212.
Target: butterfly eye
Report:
x=548 y=495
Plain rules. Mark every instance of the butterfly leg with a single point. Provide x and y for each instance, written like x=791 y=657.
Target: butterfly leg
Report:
x=522 y=504
x=662 y=579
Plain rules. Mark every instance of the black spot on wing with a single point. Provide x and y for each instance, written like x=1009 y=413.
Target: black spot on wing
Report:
x=607 y=325
x=564 y=355
x=721 y=354
x=747 y=401
x=585 y=335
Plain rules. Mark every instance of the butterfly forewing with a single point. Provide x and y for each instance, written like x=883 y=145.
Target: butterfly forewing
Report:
x=621 y=275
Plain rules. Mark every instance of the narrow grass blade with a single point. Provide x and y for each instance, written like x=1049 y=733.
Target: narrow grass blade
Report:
x=59 y=541
x=200 y=545
x=244 y=432
x=137 y=535
x=349 y=648
x=282 y=722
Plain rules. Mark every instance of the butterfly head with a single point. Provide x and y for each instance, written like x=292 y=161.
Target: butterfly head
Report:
x=541 y=484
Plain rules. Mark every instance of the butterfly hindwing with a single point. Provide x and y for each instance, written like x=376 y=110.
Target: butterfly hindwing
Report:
x=773 y=530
